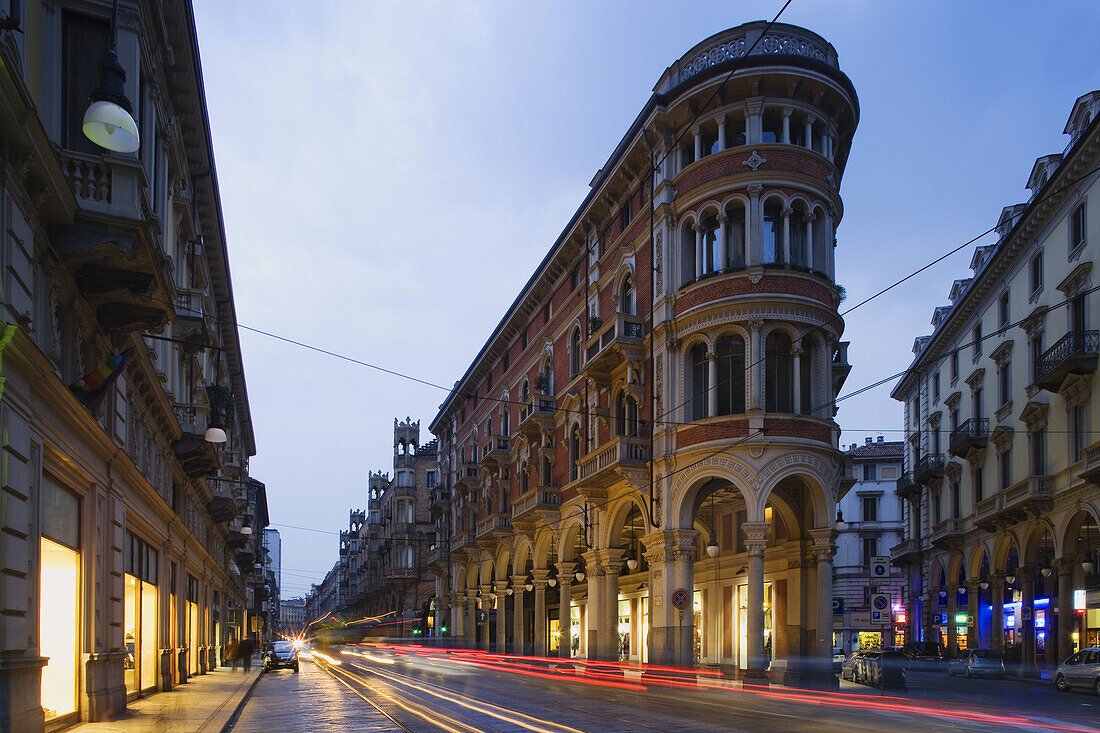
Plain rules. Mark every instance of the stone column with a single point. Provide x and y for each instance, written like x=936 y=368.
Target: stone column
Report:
x=754 y=127
x=518 y=582
x=721 y=255
x=442 y=618
x=539 y=630
x=1066 y=614
x=501 y=588
x=952 y=628
x=611 y=561
x=796 y=352
x=712 y=376
x=756 y=365
x=458 y=619
x=698 y=133
x=755 y=227
x=700 y=251
x=1026 y=578
x=670 y=554
x=754 y=631
x=809 y=132
x=471 y=619
x=974 y=633
x=721 y=132
x=565 y=599
x=810 y=218
x=787 y=125
x=997 y=620
x=824 y=549
x=595 y=602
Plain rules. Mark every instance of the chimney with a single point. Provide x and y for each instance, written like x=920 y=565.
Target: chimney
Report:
x=868 y=441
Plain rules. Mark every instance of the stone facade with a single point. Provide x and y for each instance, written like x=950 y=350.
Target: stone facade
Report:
x=122 y=560
x=1003 y=468
x=665 y=383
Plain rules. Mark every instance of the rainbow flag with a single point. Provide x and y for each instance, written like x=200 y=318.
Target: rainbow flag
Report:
x=93 y=386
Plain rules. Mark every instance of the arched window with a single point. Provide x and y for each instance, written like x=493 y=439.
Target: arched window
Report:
x=525 y=391
x=575 y=353
x=548 y=370
x=778 y=382
x=797 y=228
x=626 y=297
x=626 y=416
x=574 y=451
x=505 y=418
x=771 y=127
x=731 y=375
x=687 y=254
x=710 y=246
x=773 y=231
x=547 y=472
x=698 y=367
x=735 y=237
x=819 y=234
x=806 y=377
x=524 y=479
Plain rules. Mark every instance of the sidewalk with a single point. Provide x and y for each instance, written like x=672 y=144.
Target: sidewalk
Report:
x=205 y=703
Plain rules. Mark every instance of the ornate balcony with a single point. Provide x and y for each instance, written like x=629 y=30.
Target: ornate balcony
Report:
x=189 y=326
x=848 y=477
x=462 y=542
x=619 y=339
x=466 y=477
x=905 y=553
x=947 y=534
x=621 y=458
x=987 y=512
x=394 y=573
x=494 y=527
x=438 y=557
x=536 y=416
x=1029 y=497
x=541 y=502
x=494 y=451
x=441 y=500
x=972 y=434
x=929 y=468
x=1074 y=353
x=907 y=488
x=1090 y=468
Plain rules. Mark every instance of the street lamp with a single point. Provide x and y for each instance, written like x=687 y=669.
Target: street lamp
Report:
x=840 y=524
x=109 y=119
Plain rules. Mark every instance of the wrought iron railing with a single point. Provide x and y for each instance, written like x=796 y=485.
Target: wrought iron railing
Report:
x=1074 y=343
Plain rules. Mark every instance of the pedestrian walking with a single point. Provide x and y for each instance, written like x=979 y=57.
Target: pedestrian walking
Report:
x=234 y=654
x=247 y=648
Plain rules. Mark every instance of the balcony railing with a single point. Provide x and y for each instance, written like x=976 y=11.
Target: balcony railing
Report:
x=1034 y=492
x=1090 y=469
x=599 y=469
x=438 y=555
x=972 y=434
x=396 y=573
x=948 y=533
x=494 y=526
x=618 y=339
x=539 y=500
x=988 y=511
x=907 y=488
x=905 y=552
x=536 y=415
x=461 y=541
x=929 y=468
x=441 y=500
x=1074 y=353
x=466 y=476
x=494 y=450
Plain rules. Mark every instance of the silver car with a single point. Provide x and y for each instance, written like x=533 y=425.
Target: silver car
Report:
x=1080 y=670
x=977 y=662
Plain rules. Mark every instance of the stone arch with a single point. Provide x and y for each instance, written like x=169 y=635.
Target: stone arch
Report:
x=567 y=537
x=485 y=570
x=979 y=552
x=460 y=579
x=1034 y=537
x=1003 y=546
x=956 y=566
x=502 y=562
x=1072 y=523
x=735 y=198
x=544 y=540
x=816 y=477
x=937 y=574
x=614 y=518
x=692 y=484
x=522 y=552
x=707 y=208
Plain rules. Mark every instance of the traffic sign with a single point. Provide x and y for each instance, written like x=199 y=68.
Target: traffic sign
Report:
x=880 y=608
x=838 y=606
x=681 y=598
x=880 y=570
x=1025 y=613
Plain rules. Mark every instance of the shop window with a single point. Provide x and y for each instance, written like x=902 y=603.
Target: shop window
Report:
x=193 y=640
x=59 y=619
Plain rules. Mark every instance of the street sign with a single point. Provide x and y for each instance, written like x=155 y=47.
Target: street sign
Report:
x=1025 y=613
x=969 y=620
x=482 y=617
x=681 y=598
x=880 y=608
x=838 y=606
x=880 y=570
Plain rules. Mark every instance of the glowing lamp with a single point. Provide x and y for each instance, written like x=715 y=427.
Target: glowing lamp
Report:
x=214 y=434
x=1088 y=565
x=552 y=582
x=579 y=575
x=712 y=545
x=1046 y=572
x=1010 y=579
x=109 y=119
x=632 y=564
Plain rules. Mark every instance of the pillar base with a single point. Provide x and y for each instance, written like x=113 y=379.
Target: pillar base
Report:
x=21 y=683
x=104 y=687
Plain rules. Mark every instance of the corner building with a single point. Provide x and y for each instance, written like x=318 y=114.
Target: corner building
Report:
x=654 y=412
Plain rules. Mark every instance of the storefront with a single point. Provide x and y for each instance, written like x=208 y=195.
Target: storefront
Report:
x=193 y=646
x=576 y=631
x=59 y=600
x=743 y=622
x=140 y=616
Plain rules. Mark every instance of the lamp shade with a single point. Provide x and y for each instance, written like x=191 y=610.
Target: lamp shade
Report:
x=1088 y=565
x=1046 y=572
x=529 y=586
x=631 y=564
x=109 y=119
x=246 y=530
x=214 y=434
x=1010 y=579
x=552 y=582
x=579 y=576
x=712 y=550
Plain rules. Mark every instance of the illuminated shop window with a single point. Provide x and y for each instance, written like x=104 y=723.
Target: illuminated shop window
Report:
x=59 y=622
x=140 y=615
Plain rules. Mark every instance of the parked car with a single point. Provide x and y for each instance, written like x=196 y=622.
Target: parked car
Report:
x=282 y=654
x=881 y=668
x=923 y=654
x=1080 y=670
x=977 y=662
x=838 y=660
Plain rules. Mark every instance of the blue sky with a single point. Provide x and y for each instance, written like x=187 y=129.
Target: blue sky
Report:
x=391 y=174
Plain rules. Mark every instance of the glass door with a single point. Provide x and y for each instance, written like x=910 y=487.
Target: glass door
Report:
x=58 y=628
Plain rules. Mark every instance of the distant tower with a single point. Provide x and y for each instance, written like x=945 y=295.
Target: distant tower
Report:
x=406 y=437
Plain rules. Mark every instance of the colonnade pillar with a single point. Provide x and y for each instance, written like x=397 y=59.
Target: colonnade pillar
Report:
x=670 y=554
x=824 y=549
x=611 y=561
x=787 y=124
x=785 y=246
x=518 y=581
x=712 y=378
x=1026 y=579
x=721 y=255
x=501 y=587
x=1066 y=613
x=721 y=132
x=595 y=600
x=700 y=250
x=442 y=614
x=539 y=631
x=698 y=133
x=952 y=629
x=754 y=628
x=997 y=620
x=973 y=596
x=458 y=618
x=809 y=142
x=565 y=599
x=483 y=626
x=756 y=234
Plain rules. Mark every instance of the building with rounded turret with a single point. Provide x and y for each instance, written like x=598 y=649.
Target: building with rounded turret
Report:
x=641 y=463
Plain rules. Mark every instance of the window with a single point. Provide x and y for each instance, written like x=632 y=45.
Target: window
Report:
x=936 y=387
x=1078 y=433
x=778 y=384
x=687 y=254
x=575 y=278
x=773 y=231
x=976 y=338
x=805 y=380
x=1006 y=468
x=955 y=502
x=1036 y=353
x=699 y=367
x=59 y=606
x=626 y=416
x=819 y=240
x=735 y=133
x=870 y=508
x=574 y=451
x=625 y=214
x=977 y=411
x=546 y=311
x=83 y=39
x=626 y=296
x=797 y=228
x=735 y=237
x=404 y=479
x=575 y=353
x=1038 y=445
x=1036 y=271
x=979 y=484
x=140 y=615
x=731 y=375
x=1002 y=311
x=1077 y=228
x=954 y=366
x=1004 y=382
x=869 y=472
x=870 y=549
x=771 y=127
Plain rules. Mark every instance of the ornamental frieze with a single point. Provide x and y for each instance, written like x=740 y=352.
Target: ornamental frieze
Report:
x=745 y=315
x=792 y=459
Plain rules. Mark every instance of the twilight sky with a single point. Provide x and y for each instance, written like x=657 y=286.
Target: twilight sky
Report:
x=392 y=173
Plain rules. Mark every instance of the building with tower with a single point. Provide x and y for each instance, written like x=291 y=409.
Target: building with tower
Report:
x=642 y=462
x=1002 y=465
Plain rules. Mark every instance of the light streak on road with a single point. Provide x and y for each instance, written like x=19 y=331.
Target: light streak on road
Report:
x=373 y=658
x=327 y=658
